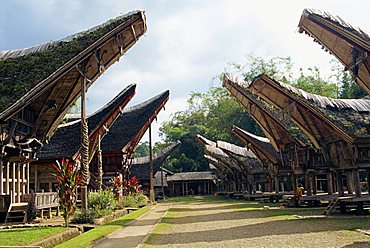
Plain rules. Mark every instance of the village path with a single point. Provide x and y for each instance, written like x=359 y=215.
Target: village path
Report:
x=241 y=224
x=136 y=232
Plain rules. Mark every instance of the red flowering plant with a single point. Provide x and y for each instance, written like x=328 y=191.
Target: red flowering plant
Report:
x=131 y=186
x=69 y=178
x=116 y=185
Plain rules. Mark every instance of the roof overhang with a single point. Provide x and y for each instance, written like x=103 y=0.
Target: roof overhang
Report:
x=272 y=127
x=350 y=45
x=313 y=123
x=52 y=97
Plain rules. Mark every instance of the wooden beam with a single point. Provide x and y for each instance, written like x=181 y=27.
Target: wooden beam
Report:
x=24 y=178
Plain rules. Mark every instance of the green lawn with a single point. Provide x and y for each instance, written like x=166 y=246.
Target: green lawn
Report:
x=26 y=236
x=88 y=238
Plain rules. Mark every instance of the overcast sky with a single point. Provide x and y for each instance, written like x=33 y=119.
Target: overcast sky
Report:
x=187 y=42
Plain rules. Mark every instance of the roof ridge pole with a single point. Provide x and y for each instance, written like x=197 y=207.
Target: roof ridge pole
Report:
x=84 y=144
x=151 y=191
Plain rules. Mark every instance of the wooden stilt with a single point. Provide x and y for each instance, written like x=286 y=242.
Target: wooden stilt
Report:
x=151 y=181
x=340 y=183
x=314 y=182
x=349 y=177
x=270 y=184
x=13 y=183
x=28 y=178
x=356 y=180
x=307 y=180
x=183 y=188
x=1 y=178
x=186 y=189
x=36 y=179
x=23 y=166
x=277 y=184
x=7 y=181
x=295 y=186
x=368 y=181
x=18 y=182
x=329 y=179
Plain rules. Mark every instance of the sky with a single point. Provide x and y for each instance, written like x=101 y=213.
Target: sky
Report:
x=187 y=43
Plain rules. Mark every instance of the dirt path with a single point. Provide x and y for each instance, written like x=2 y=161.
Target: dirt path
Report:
x=225 y=225
x=136 y=232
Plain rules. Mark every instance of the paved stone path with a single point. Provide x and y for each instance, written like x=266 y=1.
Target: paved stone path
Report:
x=136 y=232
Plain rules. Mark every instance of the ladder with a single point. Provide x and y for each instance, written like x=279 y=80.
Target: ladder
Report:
x=331 y=206
x=17 y=213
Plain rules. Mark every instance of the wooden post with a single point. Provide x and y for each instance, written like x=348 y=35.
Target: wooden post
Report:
x=7 y=181
x=84 y=145
x=329 y=179
x=368 y=181
x=28 y=177
x=18 y=182
x=340 y=183
x=314 y=182
x=289 y=183
x=36 y=179
x=1 y=178
x=162 y=187
x=100 y=165
x=349 y=177
x=183 y=188
x=357 y=184
x=270 y=184
x=276 y=184
x=23 y=178
x=186 y=189
x=295 y=186
x=307 y=180
x=13 y=183
x=151 y=193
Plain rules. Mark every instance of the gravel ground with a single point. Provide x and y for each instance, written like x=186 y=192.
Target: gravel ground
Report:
x=220 y=225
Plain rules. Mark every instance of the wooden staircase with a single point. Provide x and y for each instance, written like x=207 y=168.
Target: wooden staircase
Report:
x=331 y=207
x=17 y=213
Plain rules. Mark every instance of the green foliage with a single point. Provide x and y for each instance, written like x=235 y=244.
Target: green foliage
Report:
x=68 y=178
x=133 y=200
x=142 y=150
x=104 y=199
x=314 y=83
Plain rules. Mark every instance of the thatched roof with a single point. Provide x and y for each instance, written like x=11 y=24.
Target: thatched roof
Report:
x=276 y=126
x=349 y=118
x=140 y=166
x=67 y=140
x=349 y=44
x=127 y=131
x=47 y=78
x=192 y=176
x=260 y=145
x=237 y=150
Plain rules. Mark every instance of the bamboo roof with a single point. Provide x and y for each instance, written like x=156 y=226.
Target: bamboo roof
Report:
x=279 y=129
x=66 y=141
x=140 y=166
x=128 y=130
x=237 y=150
x=320 y=118
x=349 y=44
x=46 y=79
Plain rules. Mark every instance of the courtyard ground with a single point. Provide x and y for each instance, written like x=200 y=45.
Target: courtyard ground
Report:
x=217 y=222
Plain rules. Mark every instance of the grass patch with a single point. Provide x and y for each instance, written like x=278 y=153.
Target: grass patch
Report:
x=26 y=236
x=88 y=238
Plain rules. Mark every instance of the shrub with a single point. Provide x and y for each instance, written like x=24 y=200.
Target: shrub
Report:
x=88 y=217
x=103 y=200
x=133 y=200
